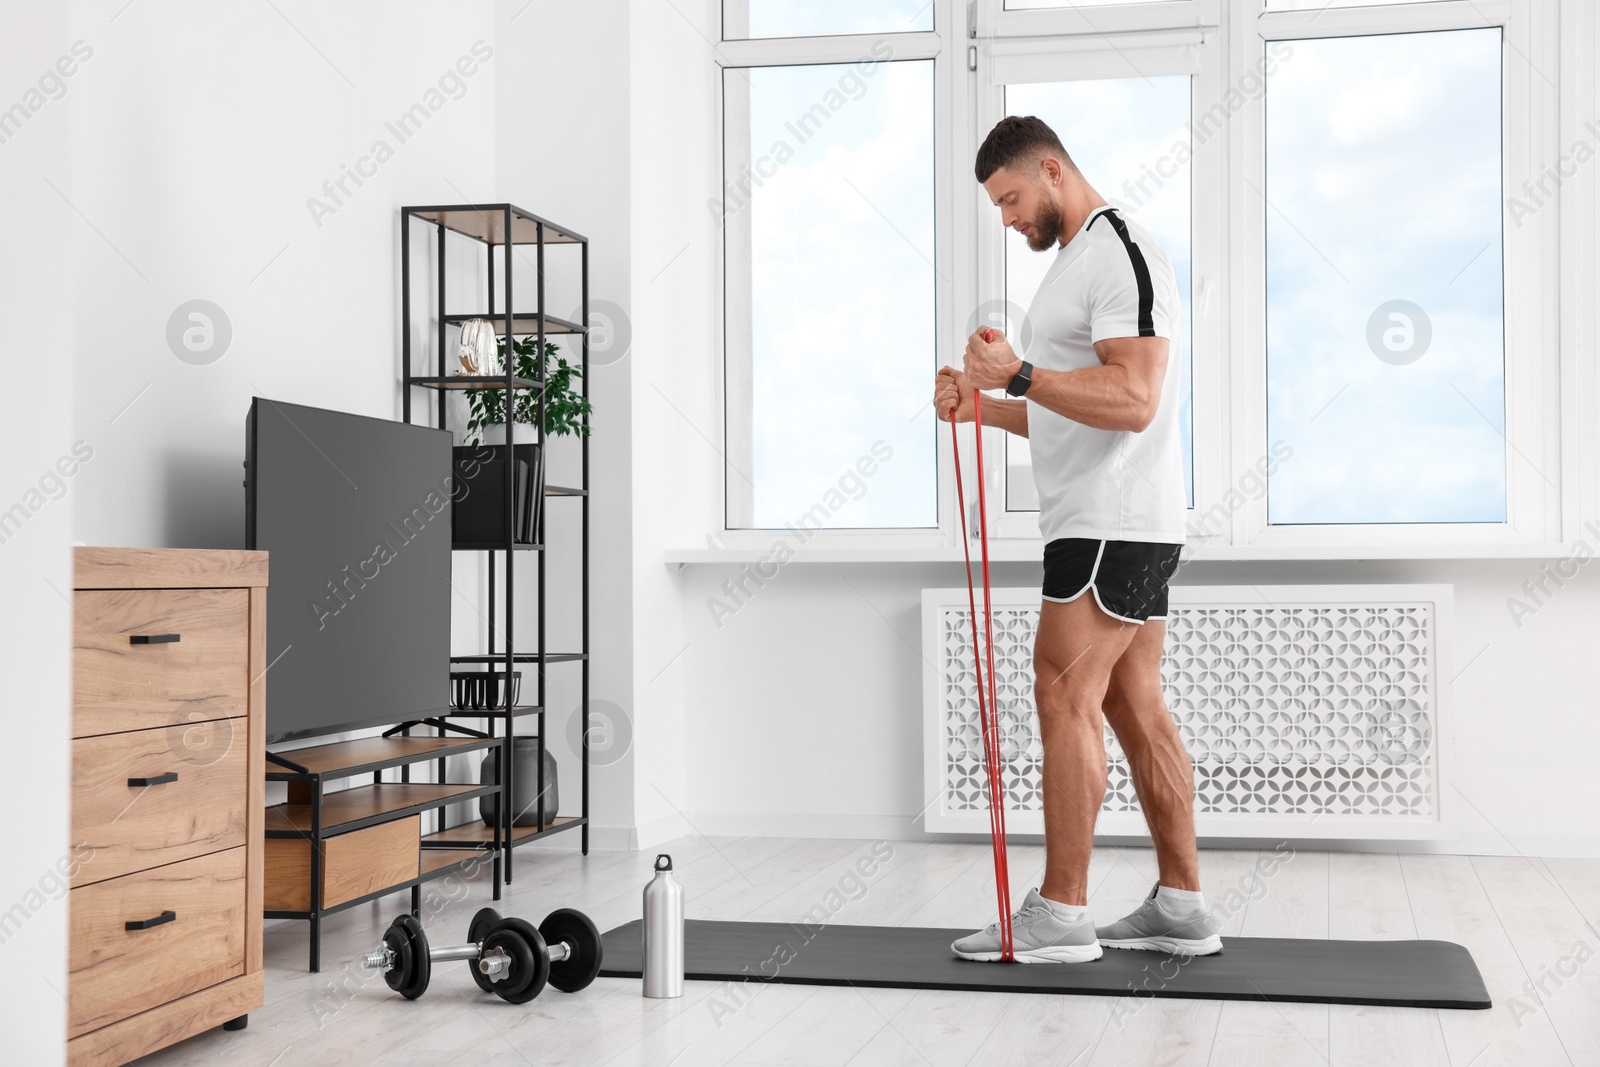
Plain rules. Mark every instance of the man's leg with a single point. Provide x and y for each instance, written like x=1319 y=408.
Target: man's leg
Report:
x=1076 y=649
x=1163 y=775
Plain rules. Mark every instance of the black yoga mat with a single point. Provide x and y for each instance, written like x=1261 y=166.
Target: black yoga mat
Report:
x=1413 y=974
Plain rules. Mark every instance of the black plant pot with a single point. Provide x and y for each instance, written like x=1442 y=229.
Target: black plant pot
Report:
x=524 y=785
x=478 y=495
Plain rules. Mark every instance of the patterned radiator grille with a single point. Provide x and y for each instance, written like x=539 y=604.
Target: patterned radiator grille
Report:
x=1300 y=710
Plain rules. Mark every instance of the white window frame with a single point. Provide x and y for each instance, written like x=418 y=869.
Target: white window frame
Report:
x=1534 y=405
x=939 y=46
x=1549 y=283
x=1036 y=59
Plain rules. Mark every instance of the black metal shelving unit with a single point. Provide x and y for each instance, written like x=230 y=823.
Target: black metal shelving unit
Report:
x=316 y=817
x=502 y=227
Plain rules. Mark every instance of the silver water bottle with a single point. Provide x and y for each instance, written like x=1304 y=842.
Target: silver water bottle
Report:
x=663 y=933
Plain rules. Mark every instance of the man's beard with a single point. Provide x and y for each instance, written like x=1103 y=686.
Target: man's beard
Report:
x=1045 y=229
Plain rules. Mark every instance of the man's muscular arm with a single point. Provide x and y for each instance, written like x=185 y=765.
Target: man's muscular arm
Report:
x=1122 y=393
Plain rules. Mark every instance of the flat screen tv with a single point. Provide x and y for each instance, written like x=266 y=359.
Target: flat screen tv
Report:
x=355 y=513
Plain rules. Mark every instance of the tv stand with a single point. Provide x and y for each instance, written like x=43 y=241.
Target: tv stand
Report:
x=328 y=851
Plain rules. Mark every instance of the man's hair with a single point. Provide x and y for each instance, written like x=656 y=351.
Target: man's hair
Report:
x=1018 y=139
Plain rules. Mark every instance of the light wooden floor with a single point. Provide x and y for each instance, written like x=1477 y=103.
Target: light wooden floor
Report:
x=1525 y=920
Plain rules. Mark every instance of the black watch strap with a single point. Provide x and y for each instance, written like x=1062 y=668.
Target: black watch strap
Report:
x=1021 y=380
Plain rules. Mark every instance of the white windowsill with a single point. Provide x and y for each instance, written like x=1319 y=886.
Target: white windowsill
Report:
x=1017 y=550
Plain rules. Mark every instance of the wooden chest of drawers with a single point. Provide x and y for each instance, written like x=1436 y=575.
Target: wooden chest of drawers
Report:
x=168 y=729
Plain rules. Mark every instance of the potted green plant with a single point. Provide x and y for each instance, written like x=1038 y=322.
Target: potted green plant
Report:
x=565 y=411
x=479 y=495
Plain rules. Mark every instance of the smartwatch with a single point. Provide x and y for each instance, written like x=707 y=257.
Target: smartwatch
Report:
x=1021 y=380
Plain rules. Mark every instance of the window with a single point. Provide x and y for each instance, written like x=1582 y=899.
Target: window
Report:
x=749 y=19
x=1384 y=288
x=1368 y=207
x=828 y=224
x=1129 y=137
x=1321 y=5
x=1030 y=5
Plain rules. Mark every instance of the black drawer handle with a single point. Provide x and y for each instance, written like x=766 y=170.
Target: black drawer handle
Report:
x=160 y=779
x=154 y=639
x=145 y=924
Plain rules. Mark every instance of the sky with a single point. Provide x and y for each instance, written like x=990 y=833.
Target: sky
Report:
x=843 y=289
x=1383 y=184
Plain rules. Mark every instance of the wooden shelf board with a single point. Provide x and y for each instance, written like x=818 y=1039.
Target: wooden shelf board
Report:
x=435 y=858
x=360 y=755
x=486 y=222
x=521 y=657
x=523 y=324
x=477 y=832
x=470 y=381
x=368 y=801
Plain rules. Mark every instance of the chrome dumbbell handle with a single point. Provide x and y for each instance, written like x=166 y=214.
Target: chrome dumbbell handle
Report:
x=495 y=964
x=560 y=951
x=454 y=952
x=382 y=957
x=379 y=959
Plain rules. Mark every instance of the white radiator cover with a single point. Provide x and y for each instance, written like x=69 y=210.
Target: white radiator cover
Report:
x=1309 y=711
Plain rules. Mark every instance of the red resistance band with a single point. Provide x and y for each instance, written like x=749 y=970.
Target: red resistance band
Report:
x=988 y=707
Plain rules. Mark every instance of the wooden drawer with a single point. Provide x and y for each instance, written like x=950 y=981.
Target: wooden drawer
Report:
x=355 y=864
x=135 y=827
x=115 y=972
x=119 y=685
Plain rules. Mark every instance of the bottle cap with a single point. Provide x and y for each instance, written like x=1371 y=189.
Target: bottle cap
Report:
x=663 y=862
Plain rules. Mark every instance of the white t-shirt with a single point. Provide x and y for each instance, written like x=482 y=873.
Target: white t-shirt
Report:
x=1107 y=484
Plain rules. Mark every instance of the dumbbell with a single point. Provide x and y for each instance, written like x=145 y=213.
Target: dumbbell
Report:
x=508 y=957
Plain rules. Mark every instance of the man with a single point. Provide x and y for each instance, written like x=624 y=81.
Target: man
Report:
x=1097 y=399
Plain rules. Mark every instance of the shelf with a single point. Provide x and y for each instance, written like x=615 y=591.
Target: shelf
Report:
x=486 y=223
x=524 y=657
x=496 y=227
x=437 y=859
x=523 y=324
x=489 y=713
x=475 y=833
x=367 y=755
x=470 y=381
x=368 y=805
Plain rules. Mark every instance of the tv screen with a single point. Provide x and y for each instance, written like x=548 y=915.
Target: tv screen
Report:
x=355 y=513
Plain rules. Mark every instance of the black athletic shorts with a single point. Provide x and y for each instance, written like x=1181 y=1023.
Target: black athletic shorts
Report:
x=1128 y=578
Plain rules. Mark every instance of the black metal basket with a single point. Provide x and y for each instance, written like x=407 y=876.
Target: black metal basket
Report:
x=483 y=690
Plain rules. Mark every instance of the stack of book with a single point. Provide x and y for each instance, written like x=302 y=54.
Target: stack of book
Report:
x=478 y=515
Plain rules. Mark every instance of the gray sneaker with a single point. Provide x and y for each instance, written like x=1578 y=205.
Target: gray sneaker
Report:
x=1037 y=936
x=1152 y=927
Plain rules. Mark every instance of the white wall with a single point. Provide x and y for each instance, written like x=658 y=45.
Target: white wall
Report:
x=36 y=337
x=677 y=413
x=808 y=701
x=564 y=153
x=202 y=132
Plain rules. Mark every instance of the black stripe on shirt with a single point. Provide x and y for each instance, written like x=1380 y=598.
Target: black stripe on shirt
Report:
x=1141 y=273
